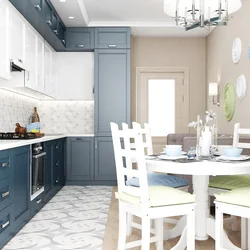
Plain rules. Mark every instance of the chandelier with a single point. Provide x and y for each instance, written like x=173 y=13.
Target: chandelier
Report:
x=201 y=13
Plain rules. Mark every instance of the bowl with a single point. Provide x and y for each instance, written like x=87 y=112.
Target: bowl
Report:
x=175 y=151
x=232 y=152
x=173 y=146
x=220 y=148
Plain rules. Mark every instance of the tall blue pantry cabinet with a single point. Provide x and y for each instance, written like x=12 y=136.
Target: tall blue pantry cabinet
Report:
x=112 y=94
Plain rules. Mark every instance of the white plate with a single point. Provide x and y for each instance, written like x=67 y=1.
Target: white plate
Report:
x=150 y=157
x=240 y=158
x=166 y=157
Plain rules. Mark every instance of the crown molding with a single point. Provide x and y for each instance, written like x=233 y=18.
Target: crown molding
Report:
x=84 y=11
x=133 y=24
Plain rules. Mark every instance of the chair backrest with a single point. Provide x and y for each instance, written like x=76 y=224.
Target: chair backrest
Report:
x=134 y=155
x=236 y=139
x=146 y=137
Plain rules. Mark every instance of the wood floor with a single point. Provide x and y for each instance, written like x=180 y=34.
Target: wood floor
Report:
x=111 y=234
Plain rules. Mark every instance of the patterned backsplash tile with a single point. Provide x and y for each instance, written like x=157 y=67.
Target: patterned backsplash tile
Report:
x=55 y=116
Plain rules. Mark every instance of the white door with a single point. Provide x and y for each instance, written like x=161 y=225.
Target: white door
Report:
x=163 y=102
x=47 y=68
x=17 y=35
x=31 y=58
x=40 y=63
x=4 y=40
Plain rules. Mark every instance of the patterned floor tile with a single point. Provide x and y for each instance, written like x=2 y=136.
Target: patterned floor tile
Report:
x=74 y=219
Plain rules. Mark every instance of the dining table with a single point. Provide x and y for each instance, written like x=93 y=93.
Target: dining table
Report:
x=200 y=170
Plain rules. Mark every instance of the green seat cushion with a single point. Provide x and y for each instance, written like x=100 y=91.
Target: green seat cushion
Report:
x=230 y=182
x=160 y=196
x=239 y=196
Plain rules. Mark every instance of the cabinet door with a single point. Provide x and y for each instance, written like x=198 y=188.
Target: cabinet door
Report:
x=54 y=75
x=58 y=168
x=47 y=68
x=17 y=35
x=112 y=89
x=80 y=67
x=81 y=159
x=31 y=58
x=40 y=63
x=48 y=171
x=104 y=159
x=4 y=41
x=80 y=38
x=112 y=38
x=21 y=185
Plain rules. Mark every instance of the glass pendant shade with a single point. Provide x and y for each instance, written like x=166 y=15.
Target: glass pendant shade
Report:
x=184 y=8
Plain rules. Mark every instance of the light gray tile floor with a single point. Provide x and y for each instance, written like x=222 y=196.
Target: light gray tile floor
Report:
x=73 y=219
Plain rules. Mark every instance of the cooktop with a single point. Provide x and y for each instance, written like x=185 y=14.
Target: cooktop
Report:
x=16 y=136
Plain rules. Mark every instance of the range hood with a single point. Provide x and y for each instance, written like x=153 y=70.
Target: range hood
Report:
x=16 y=65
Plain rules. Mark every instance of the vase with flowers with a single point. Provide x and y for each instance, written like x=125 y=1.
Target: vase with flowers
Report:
x=206 y=134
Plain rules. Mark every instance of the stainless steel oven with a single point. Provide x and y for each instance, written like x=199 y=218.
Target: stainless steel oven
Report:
x=37 y=170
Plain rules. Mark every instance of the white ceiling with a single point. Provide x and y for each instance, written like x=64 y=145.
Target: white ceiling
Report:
x=145 y=17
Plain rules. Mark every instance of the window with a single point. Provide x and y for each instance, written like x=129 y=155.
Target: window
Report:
x=161 y=106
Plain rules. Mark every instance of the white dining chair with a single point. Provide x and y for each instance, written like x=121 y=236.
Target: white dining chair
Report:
x=237 y=203
x=154 y=179
x=221 y=184
x=146 y=202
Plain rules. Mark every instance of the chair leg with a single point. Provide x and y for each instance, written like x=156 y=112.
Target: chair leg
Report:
x=243 y=233
x=130 y=219
x=234 y=223
x=145 y=242
x=159 y=233
x=122 y=228
x=191 y=230
x=218 y=229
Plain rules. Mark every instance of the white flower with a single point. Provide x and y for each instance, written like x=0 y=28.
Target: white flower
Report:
x=192 y=124
x=210 y=115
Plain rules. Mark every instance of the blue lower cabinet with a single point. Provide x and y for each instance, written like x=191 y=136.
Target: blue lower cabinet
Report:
x=5 y=193
x=48 y=171
x=58 y=167
x=21 y=186
x=6 y=225
x=36 y=204
x=5 y=163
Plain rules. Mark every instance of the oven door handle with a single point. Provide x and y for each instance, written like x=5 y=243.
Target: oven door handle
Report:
x=38 y=156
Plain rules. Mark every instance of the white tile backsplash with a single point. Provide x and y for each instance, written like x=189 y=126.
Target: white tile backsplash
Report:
x=56 y=116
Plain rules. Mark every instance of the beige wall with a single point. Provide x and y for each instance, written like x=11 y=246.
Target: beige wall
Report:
x=220 y=66
x=174 y=52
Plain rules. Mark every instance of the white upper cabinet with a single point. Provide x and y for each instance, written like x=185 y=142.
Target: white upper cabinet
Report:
x=50 y=72
x=40 y=63
x=16 y=35
x=4 y=40
x=75 y=75
x=31 y=58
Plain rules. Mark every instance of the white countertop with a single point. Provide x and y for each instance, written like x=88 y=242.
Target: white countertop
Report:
x=8 y=144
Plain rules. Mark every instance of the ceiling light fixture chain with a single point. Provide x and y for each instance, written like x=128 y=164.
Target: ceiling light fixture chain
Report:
x=201 y=13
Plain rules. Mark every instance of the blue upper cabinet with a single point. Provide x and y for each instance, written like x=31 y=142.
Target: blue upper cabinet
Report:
x=44 y=18
x=112 y=38
x=78 y=39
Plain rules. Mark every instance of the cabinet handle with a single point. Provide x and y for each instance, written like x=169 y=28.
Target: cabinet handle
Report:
x=112 y=45
x=38 y=201
x=57 y=163
x=5 y=164
x=20 y=60
x=95 y=144
x=49 y=23
x=5 y=194
x=55 y=32
x=38 y=7
x=63 y=41
x=28 y=77
x=80 y=139
x=5 y=224
x=79 y=45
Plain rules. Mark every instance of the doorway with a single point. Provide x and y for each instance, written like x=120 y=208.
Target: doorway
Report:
x=162 y=100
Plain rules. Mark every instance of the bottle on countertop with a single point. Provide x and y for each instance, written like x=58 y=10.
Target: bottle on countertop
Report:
x=35 y=116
